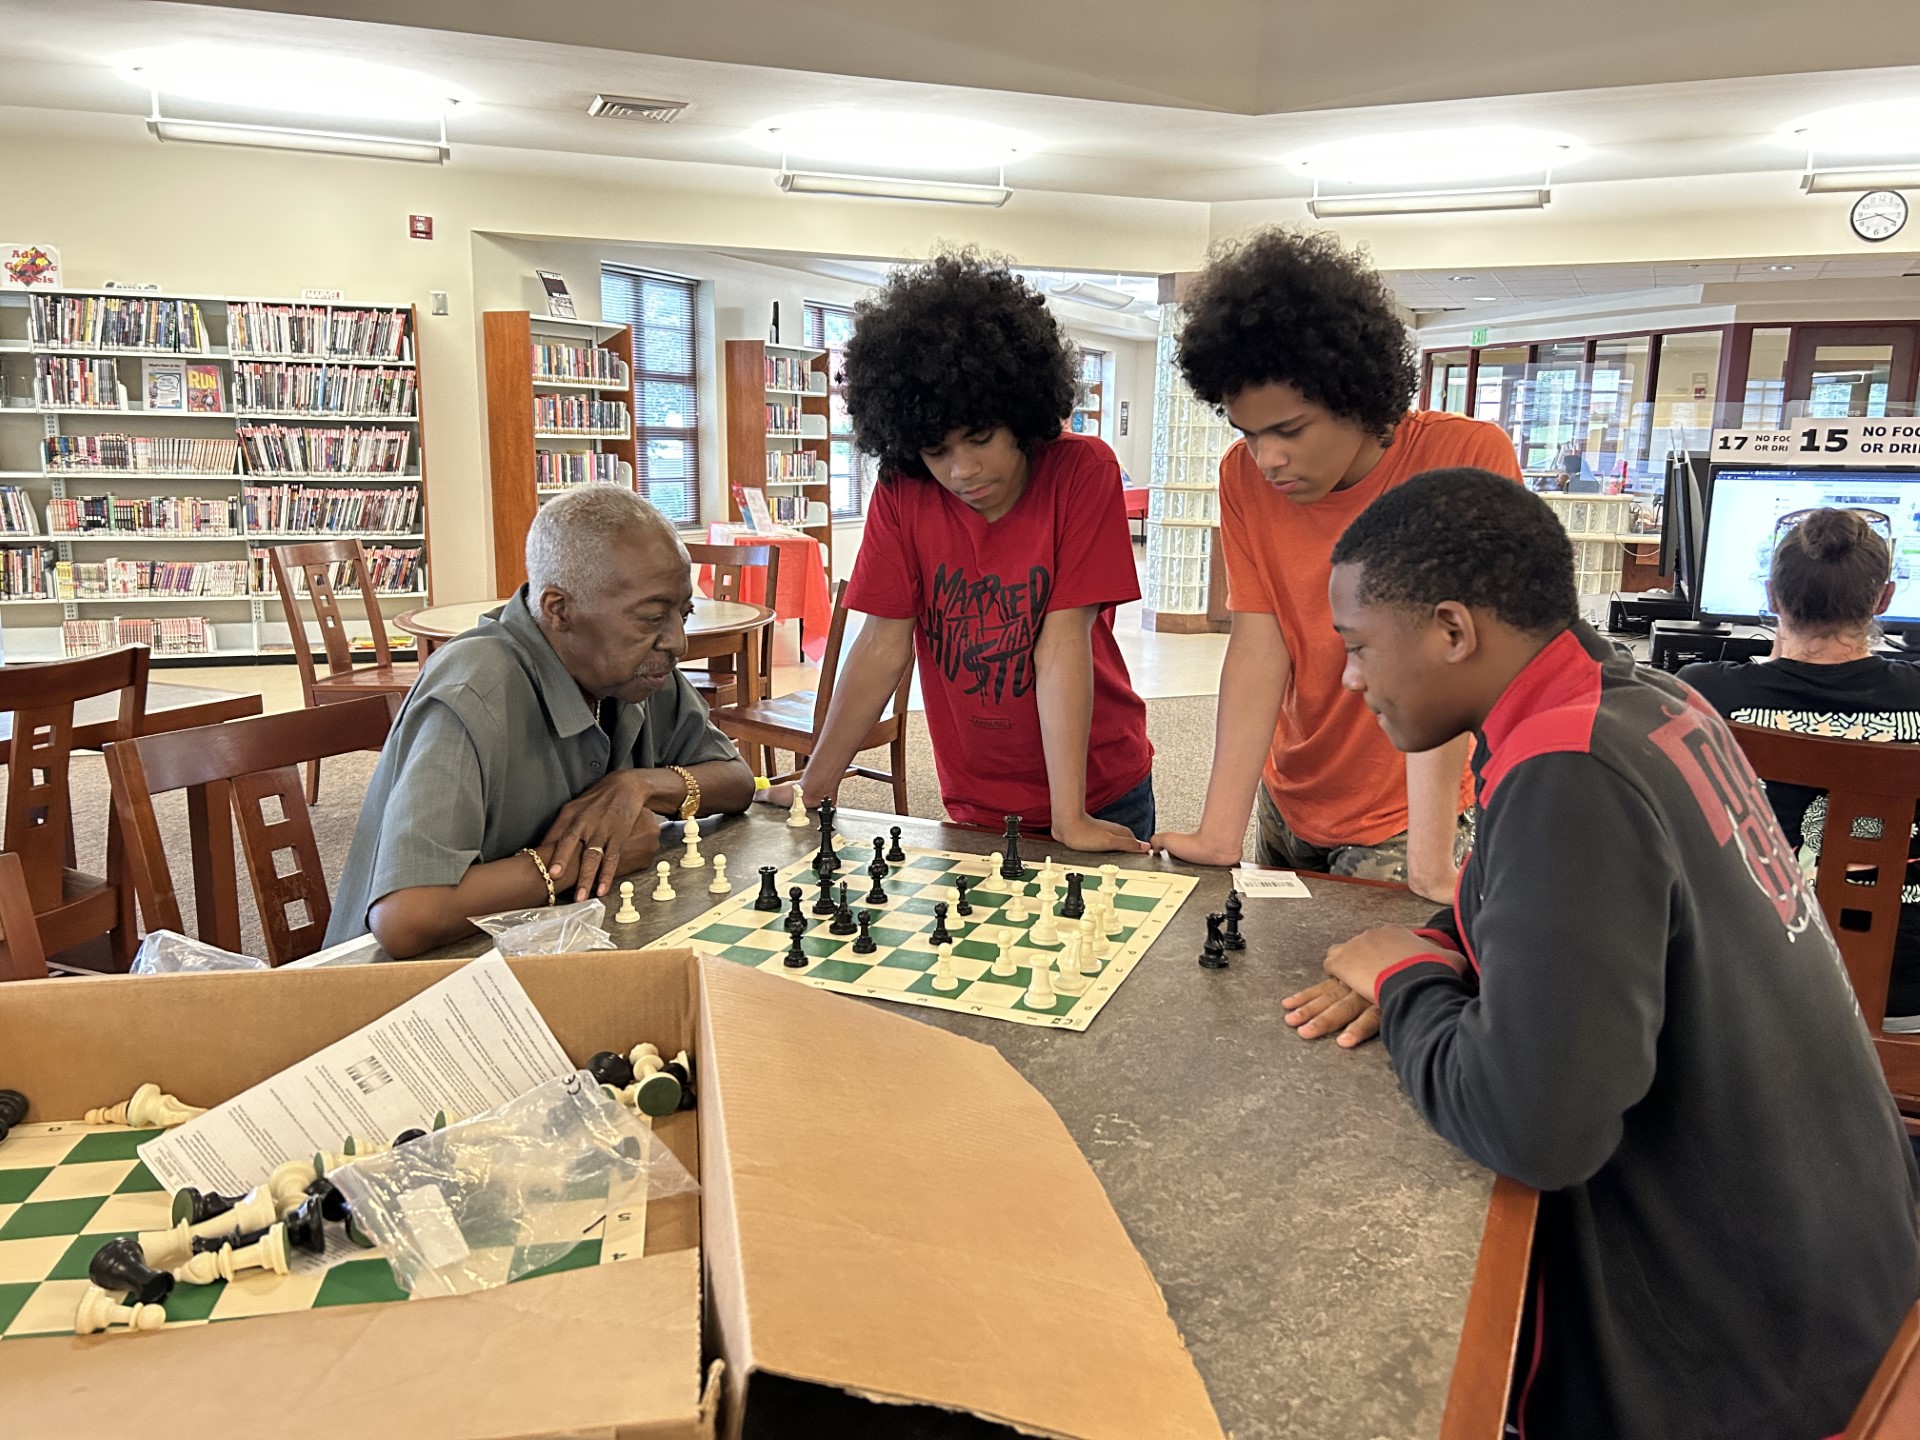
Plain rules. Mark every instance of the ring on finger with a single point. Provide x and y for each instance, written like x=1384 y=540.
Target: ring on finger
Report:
x=596 y=849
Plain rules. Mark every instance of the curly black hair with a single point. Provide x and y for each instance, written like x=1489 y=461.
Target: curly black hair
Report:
x=1470 y=536
x=957 y=342
x=1294 y=307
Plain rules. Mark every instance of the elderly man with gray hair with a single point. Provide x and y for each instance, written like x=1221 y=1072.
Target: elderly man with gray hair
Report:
x=534 y=758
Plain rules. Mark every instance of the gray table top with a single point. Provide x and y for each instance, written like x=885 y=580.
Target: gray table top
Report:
x=1315 y=1240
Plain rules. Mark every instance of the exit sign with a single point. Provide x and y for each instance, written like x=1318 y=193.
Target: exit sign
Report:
x=1478 y=335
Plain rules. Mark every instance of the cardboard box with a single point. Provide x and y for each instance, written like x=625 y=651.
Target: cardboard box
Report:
x=899 y=1237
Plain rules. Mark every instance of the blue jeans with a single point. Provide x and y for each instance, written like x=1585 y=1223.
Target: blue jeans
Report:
x=1133 y=810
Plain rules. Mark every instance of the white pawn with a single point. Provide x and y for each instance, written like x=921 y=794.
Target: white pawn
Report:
x=1045 y=930
x=1098 y=946
x=288 y=1184
x=692 y=859
x=1040 y=988
x=664 y=890
x=718 y=885
x=1110 y=925
x=1017 y=906
x=1003 y=965
x=269 y=1252
x=98 y=1310
x=646 y=1051
x=797 y=813
x=626 y=914
x=944 y=977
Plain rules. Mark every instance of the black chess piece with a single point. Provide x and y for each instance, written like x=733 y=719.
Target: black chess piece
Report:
x=796 y=922
x=304 y=1230
x=769 y=897
x=684 y=1075
x=407 y=1137
x=13 y=1105
x=796 y=953
x=1012 y=867
x=333 y=1205
x=1214 y=955
x=611 y=1069
x=823 y=902
x=879 y=853
x=826 y=864
x=940 y=935
x=1231 y=936
x=191 y=1206
x=209 y=1244
x=895 y=854
x=1074 y=907
x=842 y=916
x=864 y=945
x=119 y=1265
x=878 y=872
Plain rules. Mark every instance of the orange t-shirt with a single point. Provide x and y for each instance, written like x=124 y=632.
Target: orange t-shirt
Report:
x=1331 y=770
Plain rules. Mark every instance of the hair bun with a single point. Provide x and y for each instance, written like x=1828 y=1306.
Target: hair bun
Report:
x=1831 y=534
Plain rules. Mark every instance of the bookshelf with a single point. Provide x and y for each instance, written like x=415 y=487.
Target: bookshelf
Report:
x=152 y=443
x=559 y=414
x=1088 y=416
x=776 y=408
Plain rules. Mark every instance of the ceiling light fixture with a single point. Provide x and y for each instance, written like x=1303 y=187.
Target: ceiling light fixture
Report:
x=278 y=137
x=1486 y=299
x=879 y=187
x=1434 y=158
x=1087 y=293
x=1462 y=279
x=1881 y=127
x=886 y=141
x=1777 y=267
x=1425 y=202
x=1842 y=180
x=298 y=84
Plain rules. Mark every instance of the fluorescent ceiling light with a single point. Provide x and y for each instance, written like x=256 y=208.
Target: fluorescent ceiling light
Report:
x=1435 y=157
x=1884 y=127
x=1334 y=207
x=1486 y=299
x=1841 y=181
x=269 y=137
x=1087 y=293
x=247 y=79
x=878 y=187
x=888 y=141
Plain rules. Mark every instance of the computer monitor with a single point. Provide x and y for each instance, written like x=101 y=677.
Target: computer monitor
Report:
x=1752 y=509
x=1683 y=519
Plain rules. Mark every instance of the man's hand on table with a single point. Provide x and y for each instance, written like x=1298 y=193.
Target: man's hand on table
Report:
x=603 y=834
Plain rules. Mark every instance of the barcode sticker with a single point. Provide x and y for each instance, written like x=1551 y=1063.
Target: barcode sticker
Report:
x=369 y=1074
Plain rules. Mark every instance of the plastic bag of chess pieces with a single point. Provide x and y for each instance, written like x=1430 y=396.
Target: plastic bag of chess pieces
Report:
x=167 y=952
x=555 y=930
x=483 y=1202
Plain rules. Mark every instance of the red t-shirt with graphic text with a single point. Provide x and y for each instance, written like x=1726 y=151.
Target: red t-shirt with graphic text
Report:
x=978 y=593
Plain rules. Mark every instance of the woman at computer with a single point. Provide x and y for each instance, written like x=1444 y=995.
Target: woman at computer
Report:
x=1831 y=575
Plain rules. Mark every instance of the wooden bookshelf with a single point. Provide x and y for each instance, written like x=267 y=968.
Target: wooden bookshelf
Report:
x=270 y=386
x=516 y=442
x=754 y=446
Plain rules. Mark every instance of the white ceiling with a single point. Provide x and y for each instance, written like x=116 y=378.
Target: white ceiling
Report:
x=1441 y=289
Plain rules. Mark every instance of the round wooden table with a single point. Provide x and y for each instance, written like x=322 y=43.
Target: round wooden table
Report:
x=720 y=632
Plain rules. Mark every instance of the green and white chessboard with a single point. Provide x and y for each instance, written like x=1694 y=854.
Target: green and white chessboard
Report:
x=68 y=1188
x=1144 y=900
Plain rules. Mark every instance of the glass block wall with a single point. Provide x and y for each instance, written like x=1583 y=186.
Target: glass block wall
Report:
x=1183 y=503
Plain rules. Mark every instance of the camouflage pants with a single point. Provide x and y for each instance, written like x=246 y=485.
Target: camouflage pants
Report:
x=1277 y=845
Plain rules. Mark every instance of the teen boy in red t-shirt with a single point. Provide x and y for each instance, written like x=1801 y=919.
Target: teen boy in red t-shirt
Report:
x=996 y=549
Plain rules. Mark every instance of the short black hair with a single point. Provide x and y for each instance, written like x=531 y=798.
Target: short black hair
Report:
x=1469 y=536
x=1295 y=307
x=958 y=342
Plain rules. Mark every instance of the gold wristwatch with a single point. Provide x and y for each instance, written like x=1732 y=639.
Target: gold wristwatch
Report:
x=690 y=806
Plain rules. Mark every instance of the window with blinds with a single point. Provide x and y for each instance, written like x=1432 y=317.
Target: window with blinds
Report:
x=828 y=328
x=663 y=314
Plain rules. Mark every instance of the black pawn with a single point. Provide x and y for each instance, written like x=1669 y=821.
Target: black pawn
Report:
x=963 y=906
x=1214 y=955
x=1012 y=867
x=796 y=953
x=940 y=936
x=1074 y=906
x=1231 y=936
x=895 y=854
x=878 y=894
x=304 y=1231
x=191 y=1206
x=769 y=897
x=864 y=945
x=13 y=1105
x=823 y=902
x=333 y=1205
x=842 y=917
x=879 y=853
x=407 y=1137
x=611 y=1069
x=796 y=917
x=119 y=1265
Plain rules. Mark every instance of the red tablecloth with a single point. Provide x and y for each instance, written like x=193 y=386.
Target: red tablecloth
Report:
x=1136 y=505
x=803 y=592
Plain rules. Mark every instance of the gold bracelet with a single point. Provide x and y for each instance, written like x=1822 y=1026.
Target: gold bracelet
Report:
x=690 y=806
x=545 y=874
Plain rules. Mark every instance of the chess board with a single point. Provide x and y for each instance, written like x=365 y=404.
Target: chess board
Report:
x=900 y=968
x=68 y=1188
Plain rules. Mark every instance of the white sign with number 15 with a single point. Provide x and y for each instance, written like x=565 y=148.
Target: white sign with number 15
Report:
x=1866 y=442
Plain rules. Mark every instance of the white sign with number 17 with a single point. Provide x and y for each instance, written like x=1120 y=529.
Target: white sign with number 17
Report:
x=1855 y=441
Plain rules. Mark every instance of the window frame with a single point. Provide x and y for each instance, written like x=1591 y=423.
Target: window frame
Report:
x=689 y=516
x=859 y=476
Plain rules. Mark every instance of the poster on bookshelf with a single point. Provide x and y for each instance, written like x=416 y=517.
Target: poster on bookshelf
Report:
x=29 y=267
x=205 y=392
x=559 y=299
x=166 y=384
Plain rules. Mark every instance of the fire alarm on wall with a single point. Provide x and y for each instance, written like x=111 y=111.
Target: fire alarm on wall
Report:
x=420 y=227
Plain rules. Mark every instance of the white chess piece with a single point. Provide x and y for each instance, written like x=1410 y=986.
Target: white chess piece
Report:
x=944 y=977
x=797 y=813
x=1017 y=906
x=1040 y=988
x=165 y=1249
x=645 y=1051
x=1071 y=980
x=1098 y=946
x=664 y=890
x=288 y=1184
x=718 y=885
x=1109 y=878
x=692 y=859
x=1110 y=925
x=1045 y=930
x=149 y=1109
x=256 y=1212
x=1003 y=965
x=269 y=1252
x=626 y=914
x=98 y=1310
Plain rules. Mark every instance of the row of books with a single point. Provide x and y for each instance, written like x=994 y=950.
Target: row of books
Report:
x=322 y=389
x=255 y=327
x=183 y=516
x=782 y=419
x=312 y=509
x=163 y=634
x=789 y=509
x=71 y=381
x=166 y=453
x=554 y=468
x=394 y=570
x=578 y=362
x=17 y=516
x=26 y=573
x=790 y=465
x=98 y=322
x=579 y=412
x=784 y=372
x=333 y=450
x=116 y=579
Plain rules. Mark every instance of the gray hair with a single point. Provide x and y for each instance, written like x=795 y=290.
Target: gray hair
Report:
x=567 y=542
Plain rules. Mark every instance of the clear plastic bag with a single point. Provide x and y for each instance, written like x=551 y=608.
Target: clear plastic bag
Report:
x=548 y=930
x=510 y=1191
x=167 y=952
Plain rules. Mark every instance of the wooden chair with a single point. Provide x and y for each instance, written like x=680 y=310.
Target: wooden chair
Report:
x=717 y=684
x=1859 y=879
x=792 y=722
x=344 y=680
x=244 y=772
x=22 y=959
x=1478 y=1394
x=1890 y=1410
x=69 y=908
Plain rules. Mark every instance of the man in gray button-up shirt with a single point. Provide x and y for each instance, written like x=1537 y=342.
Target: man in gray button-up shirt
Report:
x=561 y=726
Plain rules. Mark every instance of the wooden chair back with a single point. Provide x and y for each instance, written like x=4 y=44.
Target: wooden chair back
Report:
x=315 y=562
x=1890 y=1410
x=23 y=957
x=830 y=667
x=1483 y=1365
x=39 y=817
x=1872 y=790
x=241 y=774
x=730 y=565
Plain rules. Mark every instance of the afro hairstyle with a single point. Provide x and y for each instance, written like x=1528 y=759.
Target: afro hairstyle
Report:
x=957 y=342
x=1469 y=536
x=1294 y=307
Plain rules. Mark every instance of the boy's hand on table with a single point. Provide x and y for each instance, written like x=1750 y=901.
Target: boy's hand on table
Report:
x=1321 y=1009
x=1196 y=848
x=1084 y=833
x=1358 y=963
